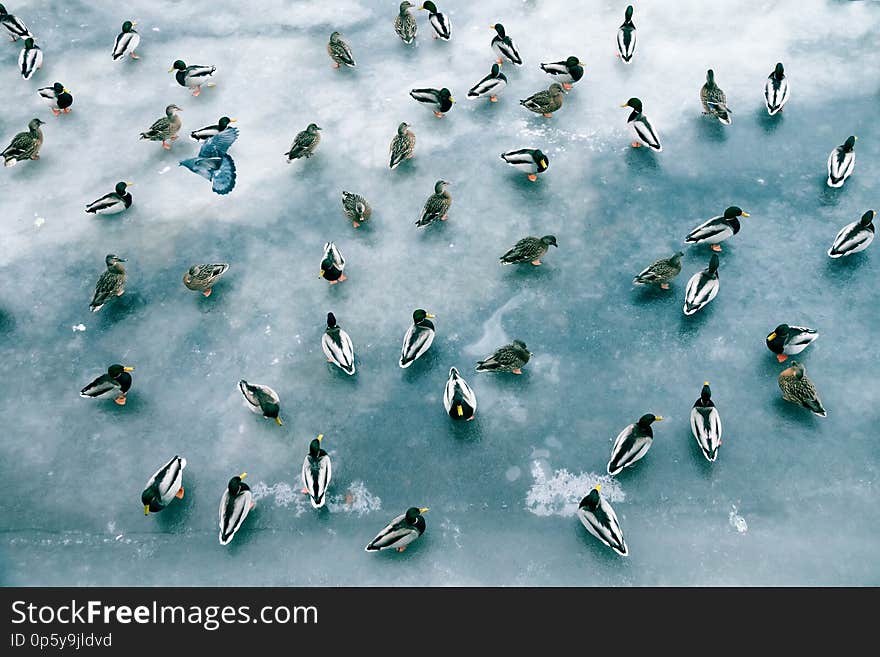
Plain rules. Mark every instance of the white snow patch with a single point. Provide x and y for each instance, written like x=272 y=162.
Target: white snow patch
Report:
x=561 y=493
x=513 y=473
x=78 y=327
x=39 y=221
x=737 y=521
x=165 y=170
x=356 y=499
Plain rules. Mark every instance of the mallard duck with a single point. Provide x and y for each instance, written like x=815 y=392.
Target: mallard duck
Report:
x=405 y=23
x=340 y=51
x=212 y=130
x=706 y=424
x=262 y=399
x=214 y=163
x=632 y=443
x=165 y=128
x=787 y=340
x=841 y=162
x=127 y=41
x=504 y=47
x=490 y=85
x=332 y=264
x=529 y=249
x=437 y=205
x=440 y=22
x=702 y=287
x=203 y=278
x=316 y=473
x=235 y=504
x=854 y=237
x=509 y=358
x=165 y=485
x=596 y=514
x=626 y=37
x=717 y=229
x=660 y=272
x=58 y=98
x=400 y=532
x=566 y=72
x=402 y=146
x=644 y=131
x=114 y=202
x=110 y=284
x=776 y=90
x=797 y=388
x=418 y=337
x=530 y=160
x=30 y=59
x=14 y=25
x=545 y=102
x=115 y=383
x=714 y=99
x=356 y=208
x=337 y=346
x=459 y=399
x=440 y=99
x=193 y=77
x=24 y=145
x=304 y=144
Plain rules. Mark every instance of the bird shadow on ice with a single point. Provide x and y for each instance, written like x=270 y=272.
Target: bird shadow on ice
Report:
x=711 y=129
x=423 y=366
x=701 y=464
x=340 y=378
x=7 y=322
x=795 y=413
x=176 y=517
x=692 y=324
x=465 y=431
x=841 y=270
x=120 y=308
x=828 y=196
x=649 y=295
x=528 y=272
x=517 y=383
x=769 y=124
x=640 y=160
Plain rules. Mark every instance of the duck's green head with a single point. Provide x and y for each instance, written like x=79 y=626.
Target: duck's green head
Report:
x=550 y=240
x=734 y=211
x=272 y=410
x=648 y=419
x=127 y=26
x=149 y=496
x=779 y=71
x=121 y=186
x=710 y=76
x=179 y=65
x=58 y=88
x=429 y=6
x=540 y=158
x=867 y=218
x=713 y=264
x=234 y=485
x=629 y=13
x=315 y=446
x=496 y=69
x=331 y=320
x=499 y=29
x=572 y=61
x=850 y=143
x=3 y=11
x=116 y=370
x=413 y=513
x=224 y=122
x=445 y=93
x=420 y=315
x=591 y=501
x=29 y=43
x=635 y=104
x=706 y=392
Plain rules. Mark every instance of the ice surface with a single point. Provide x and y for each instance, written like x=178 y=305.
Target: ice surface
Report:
x=501 y=488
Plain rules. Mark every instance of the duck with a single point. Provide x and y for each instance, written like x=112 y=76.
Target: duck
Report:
x=776 y=90
x=24 y=145
x=530 y=160
x=401 y=531
x=566 y=72
x=332 y=265
x=235 y=504
x=203 y=278
x=529 y=249
x=115 y=383
x=437 y=205
x=440 y=22
x=854 y=237
x=213 y=163
x=702 y=287
x=785 y=340
x=508 y=358
x=164 y=486
x=706 y=424
x=418 y=337
x=14 y=25
x=660 y=272
x=644 y=131
x=714 y=99
x=504 y=47
x=58 y=97
x=113 y=203
x=209 y=131
x=490 y=85
x=316 y=473
x=545 y=102
x=166 y=128
x=459 y=399
x=626 y=37
x=717 y=229
x=127 y=41
x=304 y=144
x=110 y=284
x=356 y=208
x=632 y=443
x=30 y=59
x=340 y=51
x=193 y=77
x=841 y=162
x=337 y=346
x=797 y=388
x=597 y=515
x=405 y=23
x=262 y=399
x=402 y=145
x=440 y=99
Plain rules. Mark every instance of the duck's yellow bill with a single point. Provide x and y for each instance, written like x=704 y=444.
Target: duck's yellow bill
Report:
x=658 y=418
x=424 y=509
x=279 y=422
x=128 y=369
x=770 y=337
x=459 y=409
x=146 y=509
x=746 y=214
x=320 y=437
x=598 y=487
x=242 y=475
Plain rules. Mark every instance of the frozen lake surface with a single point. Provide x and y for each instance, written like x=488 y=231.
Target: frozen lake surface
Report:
x=792 y=498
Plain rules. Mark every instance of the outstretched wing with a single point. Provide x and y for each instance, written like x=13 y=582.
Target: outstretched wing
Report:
x=224 y=178
x=217 y=145
x=206 y=167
